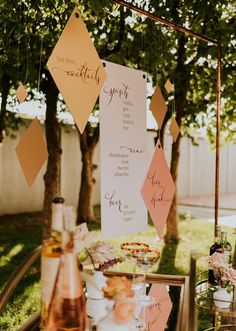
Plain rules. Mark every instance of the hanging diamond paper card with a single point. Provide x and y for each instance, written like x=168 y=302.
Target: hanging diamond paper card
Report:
x=32 y=151
x=174 y=129
x=158 y=189
x=168 y=86
x=158 y=106
x=21 y=93
x=76 y=69
x=158 y=313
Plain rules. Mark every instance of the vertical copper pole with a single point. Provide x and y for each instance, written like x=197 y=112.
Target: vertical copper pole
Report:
x=217 y=172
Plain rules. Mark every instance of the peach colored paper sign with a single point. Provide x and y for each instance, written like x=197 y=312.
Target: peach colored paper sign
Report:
x=174 y=129
x=158 y=106
x=158 y=189
x=76 y=69
x=168 y=86
x=21 y=93
x=32 y=151
x=157 y=314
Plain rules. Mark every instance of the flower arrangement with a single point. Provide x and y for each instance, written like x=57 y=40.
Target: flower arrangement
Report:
x=223 y=271
x=119 y=290
x=100 y=254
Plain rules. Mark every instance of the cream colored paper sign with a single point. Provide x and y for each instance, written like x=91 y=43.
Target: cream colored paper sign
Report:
x=158 y=106
x=76 y=69
x=158 y=189
x=123 y=138
x=32 y=151
x=158 y=313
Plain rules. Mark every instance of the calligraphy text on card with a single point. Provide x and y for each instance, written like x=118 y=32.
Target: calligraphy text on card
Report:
x=154 y=180
x=113 y=201
x=120 y=92
x=133 y=149
x=87 y=75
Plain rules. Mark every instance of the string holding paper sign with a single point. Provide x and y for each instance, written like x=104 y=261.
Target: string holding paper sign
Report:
x=76 y=69
x=158 y=189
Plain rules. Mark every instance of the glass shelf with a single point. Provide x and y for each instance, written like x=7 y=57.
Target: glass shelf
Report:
x=205 y=302
x=180 y=302
x=228 y=327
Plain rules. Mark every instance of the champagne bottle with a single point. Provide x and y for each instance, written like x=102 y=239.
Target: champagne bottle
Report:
x=68 y=308
x=226 y=248
x=216 y=247
x=50 y=259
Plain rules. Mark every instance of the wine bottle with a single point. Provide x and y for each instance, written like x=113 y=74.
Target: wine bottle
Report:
x=216 y=247
x=50 y=259
x=68 y=308
x=226 y=248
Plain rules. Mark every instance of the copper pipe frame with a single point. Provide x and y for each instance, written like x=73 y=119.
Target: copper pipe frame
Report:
x=218 y=87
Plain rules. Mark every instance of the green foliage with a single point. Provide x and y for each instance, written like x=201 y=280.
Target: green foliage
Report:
x=130 y=39
x=20 y=234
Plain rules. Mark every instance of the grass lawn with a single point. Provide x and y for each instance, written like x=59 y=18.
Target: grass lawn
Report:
x=20 y=234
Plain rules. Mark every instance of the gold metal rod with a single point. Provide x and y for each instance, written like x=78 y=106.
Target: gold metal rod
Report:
x=157 y=18
x=217 y=161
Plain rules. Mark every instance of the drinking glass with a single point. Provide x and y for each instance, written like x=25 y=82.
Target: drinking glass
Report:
x=126 y=249
x=144 y=259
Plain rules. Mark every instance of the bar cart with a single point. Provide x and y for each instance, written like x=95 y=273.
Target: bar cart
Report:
x=223 y=318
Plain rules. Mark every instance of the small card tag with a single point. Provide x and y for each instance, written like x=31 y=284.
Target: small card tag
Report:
x=21 y=93
x=174 y=129
x=158 y=107
x=168 y=86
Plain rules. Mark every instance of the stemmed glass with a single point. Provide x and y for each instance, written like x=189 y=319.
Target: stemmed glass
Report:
x=144 y=259
x=127 y=248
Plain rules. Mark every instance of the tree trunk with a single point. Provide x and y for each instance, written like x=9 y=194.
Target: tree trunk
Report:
x=5 y=91
x=53 y=137
x=88 y=140
x=172 y=234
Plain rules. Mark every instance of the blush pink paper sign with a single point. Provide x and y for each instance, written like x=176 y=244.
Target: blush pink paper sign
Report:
x=158 y=313
x=158 y=189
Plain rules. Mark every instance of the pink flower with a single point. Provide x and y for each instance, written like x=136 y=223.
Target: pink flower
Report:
x=230 y=275
x=225 y=273
x=124 y=311
x=217 y=260
x=101 y=252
